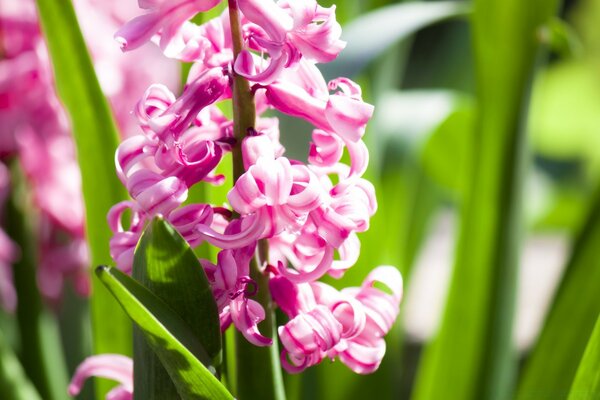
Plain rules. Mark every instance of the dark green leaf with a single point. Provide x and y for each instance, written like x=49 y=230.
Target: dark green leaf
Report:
x=166 y=265
x=170 y=337
x=40 y=347
x=14 y=384
x=96 y=140
x=587 y=381
x=552 y=365
x=472 y=355
x=371 y=34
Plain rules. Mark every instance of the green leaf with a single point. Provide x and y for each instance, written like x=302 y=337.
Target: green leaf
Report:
x=472 y=355
x=96 y=140
x=14 y=384
x=166 y=265
x=173 y=341
x=553 y=363
x=371 y=34
x=587 y=381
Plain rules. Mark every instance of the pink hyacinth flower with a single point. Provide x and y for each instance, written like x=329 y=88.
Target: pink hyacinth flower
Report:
x=280 y=192
x=326 y=323
x=110 y=366
x=165 y=17
x=293 y=30
x=232 y=287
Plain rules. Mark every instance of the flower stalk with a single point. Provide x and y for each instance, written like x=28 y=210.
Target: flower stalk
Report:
x=258 y=368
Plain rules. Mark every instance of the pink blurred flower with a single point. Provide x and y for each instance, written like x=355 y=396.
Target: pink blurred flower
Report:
x=110 y=366
x=36 y=131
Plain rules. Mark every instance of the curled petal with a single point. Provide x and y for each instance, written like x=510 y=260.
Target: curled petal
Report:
x=255 y=147
x=130 y=152
x=246 y=314
x=347 y=116
x=109 y=366
x=250 y=233
x=138 y=31
x=325 y=149
x=307 y=337
x=156 y=194
x=321 y=269
x=185 y=220
x=363 y=359
x=291 y=298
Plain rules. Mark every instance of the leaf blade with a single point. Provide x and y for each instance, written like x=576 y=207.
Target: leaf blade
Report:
x=587 y=380
x=168 y=335
x=96 y=140
x=472 y=356
x=166 y=265
x=369 y=35
x=553 y=363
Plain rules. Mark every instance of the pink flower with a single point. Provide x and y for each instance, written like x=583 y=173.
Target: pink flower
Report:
x=310 y=214
x=281 y=193
x=110 y=366
x=232 y=288
x=292 y=30
x=36 y=131
x=349 y=324
x=165 y=17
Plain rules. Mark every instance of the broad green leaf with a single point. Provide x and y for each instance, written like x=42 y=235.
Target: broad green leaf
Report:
x=173 y=341
x=14 y=384
x=587 y=380
x=40 y=346
x=369 y=35
x=553 y=363
x=166 y=265
x=472 y=356
x=96 y=140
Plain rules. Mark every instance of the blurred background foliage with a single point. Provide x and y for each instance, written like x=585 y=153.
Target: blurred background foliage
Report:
x=424 y=89
x=415 y=62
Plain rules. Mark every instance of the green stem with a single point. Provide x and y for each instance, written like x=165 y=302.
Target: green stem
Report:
x=258 y=368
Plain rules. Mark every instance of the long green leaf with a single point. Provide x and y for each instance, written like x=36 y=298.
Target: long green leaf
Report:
x=552 y=365
x=472 y=356
x=587 y=381
x=166 y=265
x=369 y=35
x=180 y=352
x=14 y=384
x=96 y=139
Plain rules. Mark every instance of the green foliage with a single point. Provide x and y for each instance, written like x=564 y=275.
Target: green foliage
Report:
x=40 y=346
x=372 y=33
x=96 y=139
x=166 y=265
x=553 y=363
x=14 y=384
x=472 y=356
x=587 y=381
x=181 y=353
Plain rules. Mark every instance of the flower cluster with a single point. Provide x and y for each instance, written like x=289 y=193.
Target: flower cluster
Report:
x=36 y=132
x=309 y=213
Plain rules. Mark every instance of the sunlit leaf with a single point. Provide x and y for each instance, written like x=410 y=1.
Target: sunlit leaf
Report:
x=472 y=356
x=553 y=363
x=587 y=380
x=173 y=341
x=96 y=140
x=166 y=265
